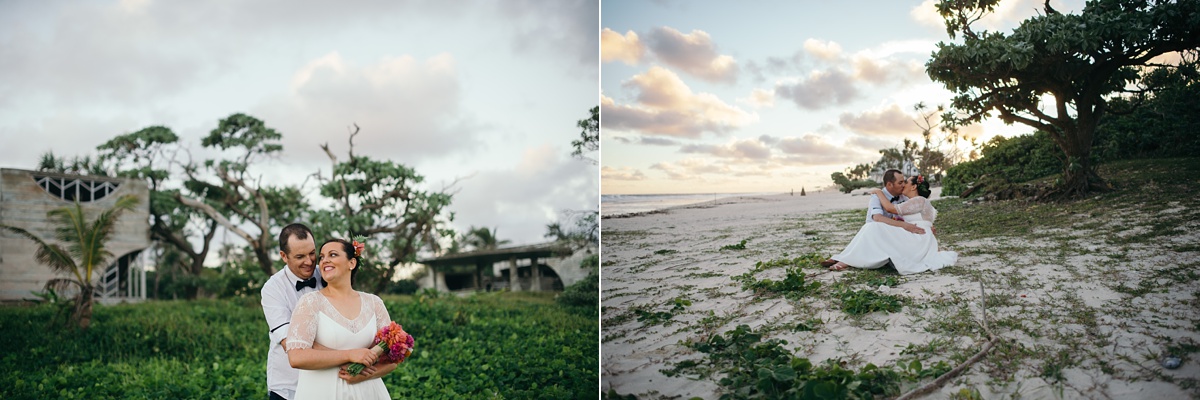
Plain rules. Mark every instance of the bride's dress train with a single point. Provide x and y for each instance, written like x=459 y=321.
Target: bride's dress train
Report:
x=876 y=243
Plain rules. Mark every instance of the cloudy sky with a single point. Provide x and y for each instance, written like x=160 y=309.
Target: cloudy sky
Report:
x=767 y=96
x=483 y=91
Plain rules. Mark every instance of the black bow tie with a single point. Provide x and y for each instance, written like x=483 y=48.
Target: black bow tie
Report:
x=310 y=282
x=893 y=200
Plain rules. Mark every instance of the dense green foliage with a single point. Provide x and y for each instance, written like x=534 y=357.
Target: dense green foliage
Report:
x=847 y=185
x=1055 y=62
x=585 y=293
x=1164 y=124
x=508 y=345
x=1007 y=160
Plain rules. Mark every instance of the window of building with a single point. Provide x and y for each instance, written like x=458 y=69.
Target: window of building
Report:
x=75 y=189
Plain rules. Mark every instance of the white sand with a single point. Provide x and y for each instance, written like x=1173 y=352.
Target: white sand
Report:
x=638 y=270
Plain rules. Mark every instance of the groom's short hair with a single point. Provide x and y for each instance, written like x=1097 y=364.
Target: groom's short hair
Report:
x=890 y=176
x=300 y=231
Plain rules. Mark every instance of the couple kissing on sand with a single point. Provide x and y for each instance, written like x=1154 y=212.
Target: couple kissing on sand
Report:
x=899 y=230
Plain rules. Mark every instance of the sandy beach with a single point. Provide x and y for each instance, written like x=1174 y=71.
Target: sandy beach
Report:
x=1052 y=294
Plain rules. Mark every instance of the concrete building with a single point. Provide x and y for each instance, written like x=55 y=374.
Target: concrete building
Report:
x=26 y=197
x=540 y=267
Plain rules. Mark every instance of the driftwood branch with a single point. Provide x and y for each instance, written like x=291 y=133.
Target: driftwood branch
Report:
x=946 y=377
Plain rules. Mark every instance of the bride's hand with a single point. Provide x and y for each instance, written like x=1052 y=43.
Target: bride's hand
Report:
x=362 y=356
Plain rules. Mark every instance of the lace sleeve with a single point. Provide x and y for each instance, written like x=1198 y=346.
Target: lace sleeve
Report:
x=303 y=329
x=912 y=206
x=381 y=313
x=930 y=213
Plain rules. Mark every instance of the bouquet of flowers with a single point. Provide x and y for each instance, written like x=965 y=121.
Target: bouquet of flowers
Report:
x=392 y=344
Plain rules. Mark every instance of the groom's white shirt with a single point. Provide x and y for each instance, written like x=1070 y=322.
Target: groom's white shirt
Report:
x=279 y=297
x=875 y=207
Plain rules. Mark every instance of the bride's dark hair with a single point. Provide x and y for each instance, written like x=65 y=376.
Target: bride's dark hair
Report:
x=922 y=188
x=348 y=248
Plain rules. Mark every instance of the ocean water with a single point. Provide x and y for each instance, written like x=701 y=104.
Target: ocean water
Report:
x=616 y=204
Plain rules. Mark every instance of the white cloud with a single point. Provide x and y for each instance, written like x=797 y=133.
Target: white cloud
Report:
x=815 y=150
x=693 y=53
x=821 y=89
x=824 y=50
x=524 y=197
x=1007 y=14
x=621 y=174
x=615 y=47
x=395 y=100
x=890 y=120
x=759 y=98
x=667 y=106
x=752 y=149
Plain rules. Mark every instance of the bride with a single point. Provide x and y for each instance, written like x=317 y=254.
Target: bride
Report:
x=877 y=243
x=335 y=326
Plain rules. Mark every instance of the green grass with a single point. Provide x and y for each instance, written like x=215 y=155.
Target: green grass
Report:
x=511 y=345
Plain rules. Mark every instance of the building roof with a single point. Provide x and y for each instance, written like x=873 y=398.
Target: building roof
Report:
x=489 y=256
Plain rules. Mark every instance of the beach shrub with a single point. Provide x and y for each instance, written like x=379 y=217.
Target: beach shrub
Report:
x=1005 y=161
x=739 y=246
x=648 y=317
x=585 y=293
x=858 y=302
x=751 y=368
x=847 y=185
x=792 y=286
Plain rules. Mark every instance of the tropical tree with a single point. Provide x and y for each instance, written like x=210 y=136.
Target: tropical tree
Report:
x=382 y=200
x=589 y=137
x=148 y=155
x=481 y=238
x=1056 y=71
x=83 y=253
x=238 y=201
x=581 y=227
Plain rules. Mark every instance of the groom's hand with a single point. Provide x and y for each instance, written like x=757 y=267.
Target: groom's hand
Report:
x=367 y=373
x=914 y=229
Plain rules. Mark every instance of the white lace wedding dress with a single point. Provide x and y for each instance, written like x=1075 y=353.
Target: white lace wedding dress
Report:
x=317 y=320
x=876 y=243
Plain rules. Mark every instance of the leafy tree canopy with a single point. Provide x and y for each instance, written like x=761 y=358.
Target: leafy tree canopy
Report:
x=1074 y=59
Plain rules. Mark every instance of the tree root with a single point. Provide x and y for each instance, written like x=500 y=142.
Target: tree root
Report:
x=946 y=377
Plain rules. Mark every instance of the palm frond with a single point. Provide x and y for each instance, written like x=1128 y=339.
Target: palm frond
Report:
x=52 y=255
x=60 y=285
x=71 y=224
x=95 y=238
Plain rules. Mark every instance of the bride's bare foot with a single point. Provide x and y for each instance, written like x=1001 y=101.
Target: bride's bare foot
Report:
x=838 y=266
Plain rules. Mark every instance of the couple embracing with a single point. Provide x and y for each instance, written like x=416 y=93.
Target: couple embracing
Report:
x=899 y=229
x=319 y=324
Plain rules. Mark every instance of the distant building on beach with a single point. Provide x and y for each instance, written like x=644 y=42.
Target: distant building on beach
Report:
x=533 y=268
x=26 y=197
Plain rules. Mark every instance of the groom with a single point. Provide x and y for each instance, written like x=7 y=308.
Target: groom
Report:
x=279 y=296
x=893 y=185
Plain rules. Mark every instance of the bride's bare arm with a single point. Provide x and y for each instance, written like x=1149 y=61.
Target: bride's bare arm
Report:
x=883 y=201
x=321 y=359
